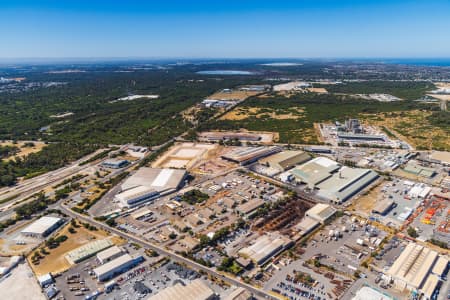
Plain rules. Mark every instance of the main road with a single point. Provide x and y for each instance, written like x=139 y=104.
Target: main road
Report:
x=231 y=280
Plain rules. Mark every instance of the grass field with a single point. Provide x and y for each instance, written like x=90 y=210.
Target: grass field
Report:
x=415 y=127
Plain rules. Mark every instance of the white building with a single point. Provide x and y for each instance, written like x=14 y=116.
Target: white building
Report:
x=42 y=227
x=117 y=266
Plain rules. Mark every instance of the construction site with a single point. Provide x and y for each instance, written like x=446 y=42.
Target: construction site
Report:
x=184 y=155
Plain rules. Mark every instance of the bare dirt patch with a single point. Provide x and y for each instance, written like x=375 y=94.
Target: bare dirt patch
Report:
x=55 y=261
x=242 y=113
x=233 y=95
x=24 y=149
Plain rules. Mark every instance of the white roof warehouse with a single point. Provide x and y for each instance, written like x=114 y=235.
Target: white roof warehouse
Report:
x=42 y=227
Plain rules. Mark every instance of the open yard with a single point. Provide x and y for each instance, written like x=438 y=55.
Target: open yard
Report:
x=244 y=112
x=55 y=261
x=233 y=95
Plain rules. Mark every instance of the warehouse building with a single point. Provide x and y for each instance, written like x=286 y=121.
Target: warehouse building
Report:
x=239 y=294
x=346 y=136
x=345 y=183
x=419 y=170
x=109 y=254
x=42 y=227
x=285 y=160
x=265 y=247
x=90 y=249
x=148 y=184
x=115 y=163
x=306 y=225
x=321 y=212
x=136 y=196
x=247 y=155
x=315 y=171
x=195 y=290
x=383 y=207
x=117 y=266
x=250 y=207
x=414 y=269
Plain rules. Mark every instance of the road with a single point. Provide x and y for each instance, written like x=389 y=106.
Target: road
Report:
x=233 y=281
x=30 y=186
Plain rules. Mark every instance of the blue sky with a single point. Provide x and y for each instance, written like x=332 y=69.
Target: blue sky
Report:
x=224 y=28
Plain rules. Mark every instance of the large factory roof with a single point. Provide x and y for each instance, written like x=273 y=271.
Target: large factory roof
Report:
x=321 y=212
x=265 y=247
x=135 y=192
x=419 y=170
x=430 y=286
x=413 y=265
x=42 y=225
x=286 y=159
x=315 y=170
x=113 y=265
x=346 y=183
x=157 y=179
x=243 y=155
x=196 y=290
x=88 y=250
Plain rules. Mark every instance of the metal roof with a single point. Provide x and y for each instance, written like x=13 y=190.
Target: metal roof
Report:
x=41 y=225
x=196 y=290
x=88 y=250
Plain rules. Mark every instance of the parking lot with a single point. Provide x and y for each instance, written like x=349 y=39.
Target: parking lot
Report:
x=293 y=282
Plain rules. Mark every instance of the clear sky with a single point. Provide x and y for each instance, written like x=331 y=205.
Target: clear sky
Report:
x=224 y=28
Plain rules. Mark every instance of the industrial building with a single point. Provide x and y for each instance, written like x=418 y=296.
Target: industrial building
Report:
x=195 y=290
x=418 y=268
x=306 y=225
x=419 y=170
x=42 y=227
x=250 y=207
x=285 y=160
x=247 y=155
x=321 y=212
x=239 y=294
x=226 y=136
x=90 y=249
x=332 y=181
x=109 y=254
x=45 y=279
x=345 y=183
x=148 y=184
x=265 y=247
x=116 y=266
x=383 y=207
x=344 y=136
x=315 y=171
x=115 y=163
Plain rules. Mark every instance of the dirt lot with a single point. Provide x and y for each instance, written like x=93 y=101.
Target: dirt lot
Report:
x=233 y=95
x=23 y=150
x=365 y=203
x=413 y=127
x=185 y=155
x=55 y=261
x=242 y=113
